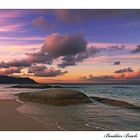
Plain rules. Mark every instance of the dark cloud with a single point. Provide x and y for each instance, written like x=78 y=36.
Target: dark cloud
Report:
x=98 y=78
x=43 y=71
x=70 y=49
x=9 y=71
x=60 y=45
x=71 y=60
x=108 y=50
x=39 y=57
x=15 y=63
x=90 y=52
x=137 y=50
x=117 y=63
x=67 y=61
x=116 y=47
x=124 y=70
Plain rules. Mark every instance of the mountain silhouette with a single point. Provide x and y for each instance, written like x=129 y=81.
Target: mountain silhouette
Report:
x=15 y=80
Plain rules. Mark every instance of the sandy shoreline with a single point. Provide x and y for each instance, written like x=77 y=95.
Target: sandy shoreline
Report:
x=11 y=120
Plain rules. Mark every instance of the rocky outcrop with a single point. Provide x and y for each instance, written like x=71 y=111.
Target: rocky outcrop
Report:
x=57 y=97
x=114 y=102
x=32 y=86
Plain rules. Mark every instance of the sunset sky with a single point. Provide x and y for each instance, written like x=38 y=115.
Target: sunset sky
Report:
x=70 y=45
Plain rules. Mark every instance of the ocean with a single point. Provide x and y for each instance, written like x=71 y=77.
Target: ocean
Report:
x=84 y=117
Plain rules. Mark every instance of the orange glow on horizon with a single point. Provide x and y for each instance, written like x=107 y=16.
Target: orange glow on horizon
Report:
x=126 y=75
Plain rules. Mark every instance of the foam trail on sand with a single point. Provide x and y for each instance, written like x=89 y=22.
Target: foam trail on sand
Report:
x=58 y=126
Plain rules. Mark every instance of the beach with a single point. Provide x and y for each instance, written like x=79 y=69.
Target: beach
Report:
x=114 y=109
x=11 y=120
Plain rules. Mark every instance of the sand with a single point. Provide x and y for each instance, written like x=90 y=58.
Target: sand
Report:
x=11 y=120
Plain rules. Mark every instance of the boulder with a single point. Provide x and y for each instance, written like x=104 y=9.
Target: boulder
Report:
x=57 y=97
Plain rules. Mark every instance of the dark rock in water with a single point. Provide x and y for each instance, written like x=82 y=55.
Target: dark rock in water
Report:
x=15 y=80
x=56 y=87
x=57 y=97
x=32 y=86
x=120 y=87
x=115 y=102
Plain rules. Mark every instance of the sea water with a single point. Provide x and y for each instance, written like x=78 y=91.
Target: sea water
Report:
x=93 y=116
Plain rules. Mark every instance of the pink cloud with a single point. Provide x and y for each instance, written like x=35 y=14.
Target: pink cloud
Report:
x=6 y=15
x=9 y=71
x=11 y=27
x=128 y=75
x=27 y=38
x=39 y=21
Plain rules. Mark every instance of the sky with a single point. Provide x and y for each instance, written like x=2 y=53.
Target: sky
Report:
x=67 y=46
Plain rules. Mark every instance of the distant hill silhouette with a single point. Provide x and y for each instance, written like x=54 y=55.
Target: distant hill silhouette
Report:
x=15 y=80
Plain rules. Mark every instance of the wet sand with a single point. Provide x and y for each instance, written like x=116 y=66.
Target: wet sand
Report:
x=11 y=120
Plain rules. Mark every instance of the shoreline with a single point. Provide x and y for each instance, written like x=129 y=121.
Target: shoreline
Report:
x=11 y=120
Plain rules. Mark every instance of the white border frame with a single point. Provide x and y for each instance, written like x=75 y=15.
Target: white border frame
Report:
x=66 y=4
x=69 y=4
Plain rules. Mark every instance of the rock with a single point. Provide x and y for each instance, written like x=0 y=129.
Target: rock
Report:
x=57 y=97
x=32 y=86
x=114 y=102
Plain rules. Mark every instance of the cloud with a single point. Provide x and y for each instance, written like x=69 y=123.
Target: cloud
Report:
x=137 y=50
x=39 y=57
x=6 y=15
x=39 y=21
x=113 y=49
x=15 y=63
x=42 y=22
x=134 y=75
x=74 y=15
x=67 y=49
x=121 y=77
x=43 y=71
x=9 y=71
x=124 y=70
x=117 y=63
x=73 y=60
x=60 y=45
x=98 y=78
x=63 y=50
x=11 y=27
x=28 y=38
x=72 y=49
x=83 y=15
x=116 y=47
